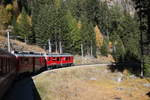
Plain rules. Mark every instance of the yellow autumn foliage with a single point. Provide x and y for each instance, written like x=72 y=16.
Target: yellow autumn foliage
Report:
x=99 y=37
x=9 y=7
x=5 y=18
x=79 y=24
x=15 y=7
x=110 y=45
x=57 y=3
x=28 y=17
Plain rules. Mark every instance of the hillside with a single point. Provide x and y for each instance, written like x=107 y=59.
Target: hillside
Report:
x=19 y=46
x=92 y=82
x=57 y=21
x=89 y=83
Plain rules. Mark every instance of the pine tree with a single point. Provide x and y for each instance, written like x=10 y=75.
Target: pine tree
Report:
x=142 y=8
x=88 y=36
x=23 y=26
x=72 y=36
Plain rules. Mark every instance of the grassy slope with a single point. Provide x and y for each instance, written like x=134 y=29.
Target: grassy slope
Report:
x=88 y=83
x=19 y=45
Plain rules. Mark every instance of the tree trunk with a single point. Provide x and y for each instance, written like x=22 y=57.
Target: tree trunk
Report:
x=49 y=45
x=60 y=47
x=56 y=46
x=91 y=50
x=25 y=40
x=82 y=52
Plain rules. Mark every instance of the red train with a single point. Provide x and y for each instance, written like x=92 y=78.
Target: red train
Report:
x=15 y=64
x=59 y=60
x=8 y=65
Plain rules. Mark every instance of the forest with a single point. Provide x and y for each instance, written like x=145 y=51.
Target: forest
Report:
x=91 y=25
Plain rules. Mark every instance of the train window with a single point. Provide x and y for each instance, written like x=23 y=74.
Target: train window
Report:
x=49 y=58
x=3 y=70
x=25 y=60
x=4 y=66
x=58 y=58
x=67 y=58
x=30 y=60
x=10 y=65
x=7 y=65
x=41 y=60
x=37 y=61
x=54 y=59
x=0 y=66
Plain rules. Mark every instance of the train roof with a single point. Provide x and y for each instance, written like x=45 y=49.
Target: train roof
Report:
x=58 y=55
x=28 y=55
x=50 y=55
x=5 y=53
x=36 y=54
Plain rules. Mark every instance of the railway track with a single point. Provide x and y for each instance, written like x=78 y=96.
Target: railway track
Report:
x=83 y=65
x=95 y=64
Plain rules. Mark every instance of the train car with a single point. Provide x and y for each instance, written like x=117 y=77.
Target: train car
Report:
x=28 y=62
x=59 y=60
x=23 y=62
x=8 y=71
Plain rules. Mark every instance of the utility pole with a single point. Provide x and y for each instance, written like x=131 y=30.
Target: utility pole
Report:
x=60 y=47
x=82 y=52
x=8 y=36
x=91 y=49
x=49 y=45
x=56 y=46
x=8 y=41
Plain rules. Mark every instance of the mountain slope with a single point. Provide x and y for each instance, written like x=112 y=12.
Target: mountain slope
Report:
x=19 y=46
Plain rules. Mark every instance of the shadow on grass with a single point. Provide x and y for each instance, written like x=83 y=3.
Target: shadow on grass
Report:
x=23 y=90
x=148 y=94
x=130 y=62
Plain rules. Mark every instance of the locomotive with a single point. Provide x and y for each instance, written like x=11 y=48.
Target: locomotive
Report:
x=14 y=64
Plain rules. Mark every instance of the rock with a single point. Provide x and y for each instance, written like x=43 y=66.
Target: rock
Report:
x=132 y=76
x=146 y=85
x=119 y=88
x=118 y=79
x=117 y=98
x=93 y=78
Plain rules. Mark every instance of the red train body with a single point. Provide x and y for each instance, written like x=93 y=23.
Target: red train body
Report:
x=19 y=63
x=8 y=65
x=30 y=63
x=59 y=60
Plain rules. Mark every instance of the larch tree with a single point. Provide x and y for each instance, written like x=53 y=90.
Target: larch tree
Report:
x=5 y=17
